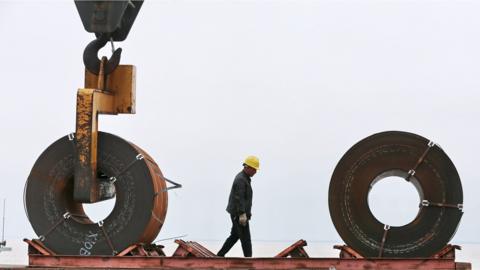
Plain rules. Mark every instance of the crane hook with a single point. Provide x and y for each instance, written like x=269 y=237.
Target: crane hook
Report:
x=90 y=56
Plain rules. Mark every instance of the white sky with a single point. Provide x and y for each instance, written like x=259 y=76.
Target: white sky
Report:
x=295 y=82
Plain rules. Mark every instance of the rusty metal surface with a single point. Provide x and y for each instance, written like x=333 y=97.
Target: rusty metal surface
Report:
x=395 y=154
x=60 y=221
x=146 y=250
x=121 y=82
x=140 y=257
x=90 y=102
x=191 y=249
x=238 y=263
x=347 y=252
x=35 y=246
x=118 y=97
x=448 y=252
x=295 y=250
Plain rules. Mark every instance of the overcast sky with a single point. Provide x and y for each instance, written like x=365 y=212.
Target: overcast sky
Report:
x=296 y=83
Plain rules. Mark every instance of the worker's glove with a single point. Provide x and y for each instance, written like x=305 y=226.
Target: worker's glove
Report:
x=243 y=219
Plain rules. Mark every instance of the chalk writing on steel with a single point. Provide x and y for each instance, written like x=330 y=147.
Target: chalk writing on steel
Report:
x=88 y=244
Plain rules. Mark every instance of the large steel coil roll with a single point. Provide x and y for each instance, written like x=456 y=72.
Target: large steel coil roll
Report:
x=417 y=160
x=61 y=223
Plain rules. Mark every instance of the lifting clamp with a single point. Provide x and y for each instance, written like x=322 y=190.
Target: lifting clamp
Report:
x=109 y=89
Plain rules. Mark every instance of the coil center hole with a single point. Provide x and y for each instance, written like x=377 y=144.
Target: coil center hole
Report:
x=393 y=201
x=100 y=210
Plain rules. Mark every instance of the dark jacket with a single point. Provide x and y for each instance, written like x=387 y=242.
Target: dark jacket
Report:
x=240 y=199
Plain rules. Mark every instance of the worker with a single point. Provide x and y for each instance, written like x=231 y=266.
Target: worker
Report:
x=240 y=206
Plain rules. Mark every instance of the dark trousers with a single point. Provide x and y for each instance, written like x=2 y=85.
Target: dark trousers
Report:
x=238 y=232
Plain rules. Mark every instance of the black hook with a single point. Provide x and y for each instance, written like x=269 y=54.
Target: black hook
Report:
x=90 y=56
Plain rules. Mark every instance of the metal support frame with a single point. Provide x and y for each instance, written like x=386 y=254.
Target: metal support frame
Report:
x=36 y=247
x=191 y=255
x=150 y=250
x=296 y=250
x=135 y=262
x=347 y=252
x=192 y=249
x=448 y=252
x=112 y=94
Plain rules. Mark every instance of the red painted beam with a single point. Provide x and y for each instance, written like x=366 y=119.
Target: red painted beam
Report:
x=239 y=263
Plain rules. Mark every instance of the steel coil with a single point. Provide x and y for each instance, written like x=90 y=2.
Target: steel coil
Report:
x=61 y=223
x=405 y=155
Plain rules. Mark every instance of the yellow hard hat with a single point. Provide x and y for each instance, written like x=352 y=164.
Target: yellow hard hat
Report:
x=253 y=162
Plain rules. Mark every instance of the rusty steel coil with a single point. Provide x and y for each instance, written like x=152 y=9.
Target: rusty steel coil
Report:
x=415 y=159
x=61 y=223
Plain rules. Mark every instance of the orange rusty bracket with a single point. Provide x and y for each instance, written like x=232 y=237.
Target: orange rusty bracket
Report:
x=347 y=252
x=191 y=249
x=128 y=250
x=150 y=250
x=448 y=252
x=35 y=246
x=112 y=94
x=296 y=250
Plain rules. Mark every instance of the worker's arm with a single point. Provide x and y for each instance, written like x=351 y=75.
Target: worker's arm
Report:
x=240 y=190
x=242 y=204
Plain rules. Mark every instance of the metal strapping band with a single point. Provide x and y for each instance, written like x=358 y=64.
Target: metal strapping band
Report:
x=157 y=218
x=419 y=161
x=138 y=157
x=113 y=46
x=427 y=203
x=110 y=244
x=65 y=216
x=80 y=216
x=175 y=185
x=71 y=138
x=384 y=238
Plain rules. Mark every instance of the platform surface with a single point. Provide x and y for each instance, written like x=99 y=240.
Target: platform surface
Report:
x=132 y=262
